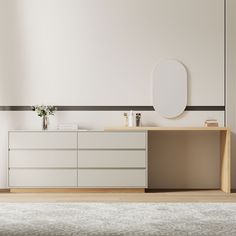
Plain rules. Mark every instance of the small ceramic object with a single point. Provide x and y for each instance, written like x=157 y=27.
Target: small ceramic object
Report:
x=131 y=119
x=138 y=119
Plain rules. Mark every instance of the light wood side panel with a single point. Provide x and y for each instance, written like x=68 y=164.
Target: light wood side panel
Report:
x=225 y=140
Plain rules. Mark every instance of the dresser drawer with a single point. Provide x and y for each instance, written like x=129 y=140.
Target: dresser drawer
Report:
x=42 y=178
x=114 y=178
x=111 y=140
x=112 y=158
x=44 y=140
x=43 y=158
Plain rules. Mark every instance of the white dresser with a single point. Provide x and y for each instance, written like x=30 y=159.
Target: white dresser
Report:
x=72 y=159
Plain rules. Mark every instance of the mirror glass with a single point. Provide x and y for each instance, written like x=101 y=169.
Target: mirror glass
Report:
x=170 y=88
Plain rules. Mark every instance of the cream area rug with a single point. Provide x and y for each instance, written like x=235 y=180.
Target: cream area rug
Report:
x=110 y=219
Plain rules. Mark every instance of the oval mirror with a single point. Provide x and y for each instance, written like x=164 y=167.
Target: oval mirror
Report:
x=170 y=88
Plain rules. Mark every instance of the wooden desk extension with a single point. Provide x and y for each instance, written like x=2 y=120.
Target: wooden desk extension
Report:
x=225 y=156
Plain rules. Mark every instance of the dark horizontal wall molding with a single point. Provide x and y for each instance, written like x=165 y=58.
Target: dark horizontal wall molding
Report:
x=205 y=108
x=105 y=108
x=111 y=108
x=15 y=108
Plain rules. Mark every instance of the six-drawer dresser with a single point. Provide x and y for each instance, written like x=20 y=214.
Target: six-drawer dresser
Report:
x=77 y=159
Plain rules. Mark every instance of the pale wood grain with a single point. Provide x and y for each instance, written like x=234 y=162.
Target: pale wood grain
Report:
x=77 y=190
x=180 y=196
x=166 y=128
x=225 y=161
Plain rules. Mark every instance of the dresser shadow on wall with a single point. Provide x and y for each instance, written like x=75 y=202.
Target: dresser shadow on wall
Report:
x=183 y=160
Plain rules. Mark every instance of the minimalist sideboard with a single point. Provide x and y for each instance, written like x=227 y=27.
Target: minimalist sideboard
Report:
x=72 y=159
x=116 y=158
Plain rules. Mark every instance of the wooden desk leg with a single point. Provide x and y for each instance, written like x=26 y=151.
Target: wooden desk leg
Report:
x=225 y=161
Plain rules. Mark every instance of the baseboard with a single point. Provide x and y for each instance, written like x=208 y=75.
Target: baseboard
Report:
x=156 y=190
x=98 y=190
x=6 y=190
x=77 y=190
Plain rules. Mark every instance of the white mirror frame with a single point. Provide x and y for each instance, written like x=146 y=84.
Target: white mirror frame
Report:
x=170 y=88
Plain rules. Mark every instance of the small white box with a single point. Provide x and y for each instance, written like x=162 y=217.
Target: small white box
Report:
x=67 y=126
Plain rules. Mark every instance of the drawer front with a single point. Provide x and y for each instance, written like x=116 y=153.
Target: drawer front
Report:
x=112 y=158
x=43 y=158
x=42 y=178
x=111 y=140
x=114 y=178
x=47 y=140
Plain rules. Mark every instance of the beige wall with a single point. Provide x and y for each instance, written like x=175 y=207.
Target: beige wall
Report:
x=3 y=41
x=82 y=52
x=102 y=52
x=231 y=79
